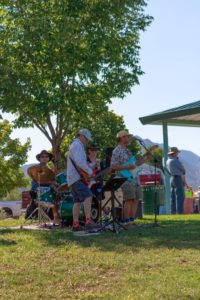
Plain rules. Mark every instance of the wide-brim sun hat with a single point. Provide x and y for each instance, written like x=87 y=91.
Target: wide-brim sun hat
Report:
x=44 y=152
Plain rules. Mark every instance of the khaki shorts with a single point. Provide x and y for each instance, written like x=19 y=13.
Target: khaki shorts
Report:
x=131 y=191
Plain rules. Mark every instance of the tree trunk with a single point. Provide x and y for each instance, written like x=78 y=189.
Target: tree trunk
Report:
x=57 y=155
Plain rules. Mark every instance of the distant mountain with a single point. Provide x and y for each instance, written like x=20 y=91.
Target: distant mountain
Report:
x=25 y=168
x=191 y=162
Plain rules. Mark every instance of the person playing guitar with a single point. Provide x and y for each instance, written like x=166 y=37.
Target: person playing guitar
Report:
x=97 y=166
x=131 y=189
x=77 y=161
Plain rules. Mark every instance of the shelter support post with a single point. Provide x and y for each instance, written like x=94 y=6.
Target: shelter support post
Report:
x=167 y=177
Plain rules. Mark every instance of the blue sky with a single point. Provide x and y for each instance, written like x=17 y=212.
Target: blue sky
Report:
x=170 y=50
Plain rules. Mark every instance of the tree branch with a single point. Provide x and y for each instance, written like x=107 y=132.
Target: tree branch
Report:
x=41 y=128
x=67 y=122
x=50 y=125
x=39 y=125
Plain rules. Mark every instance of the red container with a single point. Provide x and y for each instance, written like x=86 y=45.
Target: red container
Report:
x=26 y=199
x=148 y=179
x=188 y=207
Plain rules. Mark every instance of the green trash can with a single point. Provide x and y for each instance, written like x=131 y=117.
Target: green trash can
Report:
x=188 y=194
x=148 y=198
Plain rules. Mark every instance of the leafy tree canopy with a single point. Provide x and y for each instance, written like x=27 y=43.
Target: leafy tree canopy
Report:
x=104 y=129
x=13 y=155
x=61 y=60
x=159 y=154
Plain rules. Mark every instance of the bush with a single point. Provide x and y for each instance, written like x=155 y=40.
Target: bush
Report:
x=2 y=214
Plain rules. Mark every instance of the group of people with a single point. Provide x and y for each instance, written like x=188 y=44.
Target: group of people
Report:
x=79 y=160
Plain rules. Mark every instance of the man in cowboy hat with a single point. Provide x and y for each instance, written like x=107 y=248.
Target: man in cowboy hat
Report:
x=77 y=161
x=177 y=172
x=131 y=190
x=43 y=176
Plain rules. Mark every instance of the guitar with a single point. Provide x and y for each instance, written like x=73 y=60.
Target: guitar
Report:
x=90 y=181
x=132 y=175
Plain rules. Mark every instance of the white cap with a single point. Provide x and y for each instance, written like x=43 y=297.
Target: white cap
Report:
x=86 y=133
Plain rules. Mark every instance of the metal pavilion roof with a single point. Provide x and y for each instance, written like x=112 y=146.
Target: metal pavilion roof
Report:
x=186 y=115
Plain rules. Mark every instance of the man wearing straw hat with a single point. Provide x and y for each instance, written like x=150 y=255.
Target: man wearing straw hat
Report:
x=177 y=172
x=131 y=190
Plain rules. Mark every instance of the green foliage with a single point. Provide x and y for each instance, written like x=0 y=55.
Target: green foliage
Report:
x=159 y=154
x=135 y=148
x=104 y=129
x=13 y=155
x=2 y=214
x=16 y=193
x=63 y=60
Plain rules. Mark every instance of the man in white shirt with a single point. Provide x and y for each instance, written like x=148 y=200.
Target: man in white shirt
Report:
x=76 y=161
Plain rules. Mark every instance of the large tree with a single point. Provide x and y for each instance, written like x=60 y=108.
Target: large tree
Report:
x=13 y=155
x=104 y=129
x=63 y=60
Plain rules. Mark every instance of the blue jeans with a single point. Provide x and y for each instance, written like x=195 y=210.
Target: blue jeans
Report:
x=177 y=194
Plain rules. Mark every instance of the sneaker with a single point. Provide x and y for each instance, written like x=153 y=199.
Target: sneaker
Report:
x=78 y=228
x=92 y=225
x=55 y=226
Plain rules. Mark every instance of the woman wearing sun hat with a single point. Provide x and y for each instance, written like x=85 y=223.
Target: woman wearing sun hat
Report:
x=97 y=165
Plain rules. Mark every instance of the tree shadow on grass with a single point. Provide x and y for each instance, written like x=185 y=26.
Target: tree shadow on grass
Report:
x=179 y=234
x=7 y=242
x=172 y=234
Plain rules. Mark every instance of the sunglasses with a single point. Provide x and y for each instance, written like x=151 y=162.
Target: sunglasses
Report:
x=44 y=156
x=94 y=150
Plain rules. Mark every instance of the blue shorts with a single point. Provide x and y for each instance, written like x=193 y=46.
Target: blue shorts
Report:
x=80 y=191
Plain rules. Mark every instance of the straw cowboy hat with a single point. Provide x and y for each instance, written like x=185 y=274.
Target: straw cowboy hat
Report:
x=123 y=133
x=173 y=150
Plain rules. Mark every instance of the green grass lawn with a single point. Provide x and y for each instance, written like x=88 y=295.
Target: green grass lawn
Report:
x=143 y=263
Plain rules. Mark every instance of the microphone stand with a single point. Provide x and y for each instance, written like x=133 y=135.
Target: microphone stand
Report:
x=156 y=161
